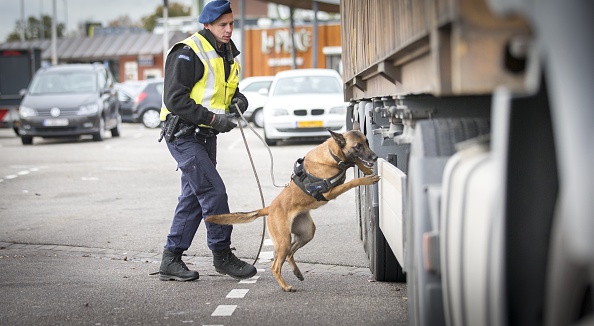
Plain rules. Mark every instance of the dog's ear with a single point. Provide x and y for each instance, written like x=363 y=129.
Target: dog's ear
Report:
x=338 y=138
x=356 y=125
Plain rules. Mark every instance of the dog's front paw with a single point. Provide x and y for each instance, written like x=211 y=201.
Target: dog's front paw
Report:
x=289 y=288
x=370 y=179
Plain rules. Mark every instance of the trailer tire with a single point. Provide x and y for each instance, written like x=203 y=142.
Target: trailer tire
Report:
x=385 y=266
x=434 y=143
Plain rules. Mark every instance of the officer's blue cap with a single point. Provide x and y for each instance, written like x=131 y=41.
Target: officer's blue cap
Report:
x=214 y=10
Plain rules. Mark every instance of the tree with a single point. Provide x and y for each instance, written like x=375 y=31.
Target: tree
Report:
x=174 y=9
x=123 y=21
x=35 y=29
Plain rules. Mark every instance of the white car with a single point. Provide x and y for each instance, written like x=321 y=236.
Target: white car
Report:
x=255 y=90
x=304 y=103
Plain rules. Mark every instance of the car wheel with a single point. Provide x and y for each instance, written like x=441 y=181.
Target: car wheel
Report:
x=269 y=142
x=258 y=118
x=151 y=118
x=117 y=130
x=27 y=140
x=100 y=135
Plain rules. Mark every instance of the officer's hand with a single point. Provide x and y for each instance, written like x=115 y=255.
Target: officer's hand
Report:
x=242 y=105
x=222 y=123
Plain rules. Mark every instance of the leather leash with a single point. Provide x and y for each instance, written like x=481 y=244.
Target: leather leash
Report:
x=256 y=173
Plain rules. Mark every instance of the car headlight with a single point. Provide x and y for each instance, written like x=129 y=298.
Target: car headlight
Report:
x=25 y=112
x=338 y=110
x=279 y=112
x=88 y=109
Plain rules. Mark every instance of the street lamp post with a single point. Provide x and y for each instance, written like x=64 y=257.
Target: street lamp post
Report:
x=165 y=33
x=54 y=34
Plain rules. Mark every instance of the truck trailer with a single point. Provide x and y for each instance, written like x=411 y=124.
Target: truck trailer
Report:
x=17 y=67
x=482 y=114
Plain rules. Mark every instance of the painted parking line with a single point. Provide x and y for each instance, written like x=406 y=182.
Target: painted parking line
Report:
x=224 y=310
x=20 y=173
x=250 y=280
x=237 y=293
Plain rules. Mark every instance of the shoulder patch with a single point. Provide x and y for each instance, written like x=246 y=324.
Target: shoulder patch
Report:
x=183 y=56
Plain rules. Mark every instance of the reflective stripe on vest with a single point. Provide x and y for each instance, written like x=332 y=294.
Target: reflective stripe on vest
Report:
x=211 y=91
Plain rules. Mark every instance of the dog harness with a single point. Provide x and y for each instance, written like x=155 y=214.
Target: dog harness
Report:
x=314 y=186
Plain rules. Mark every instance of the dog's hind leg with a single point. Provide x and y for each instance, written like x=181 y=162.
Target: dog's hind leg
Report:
x=303 y=230
x=280 y=233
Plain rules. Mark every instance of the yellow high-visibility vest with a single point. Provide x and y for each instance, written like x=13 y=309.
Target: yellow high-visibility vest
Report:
x=212 y=91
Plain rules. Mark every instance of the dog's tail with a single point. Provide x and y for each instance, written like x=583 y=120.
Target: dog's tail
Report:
x=237 y=218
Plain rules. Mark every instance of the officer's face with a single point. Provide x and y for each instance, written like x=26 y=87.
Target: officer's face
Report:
x=222 y=28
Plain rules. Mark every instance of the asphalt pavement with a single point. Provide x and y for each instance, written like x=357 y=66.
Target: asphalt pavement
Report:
x=82 y=227
x=68 y=285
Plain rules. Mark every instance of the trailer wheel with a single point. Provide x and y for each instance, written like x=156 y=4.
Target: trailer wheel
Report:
x=434 y=143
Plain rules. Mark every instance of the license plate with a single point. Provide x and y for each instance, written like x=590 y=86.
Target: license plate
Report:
x=55 y=122
x=310 y=124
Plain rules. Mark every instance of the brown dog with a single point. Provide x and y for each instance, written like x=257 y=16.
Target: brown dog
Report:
x=317 y=178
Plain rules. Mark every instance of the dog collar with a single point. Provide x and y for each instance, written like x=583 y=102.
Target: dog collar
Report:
x=341 y=164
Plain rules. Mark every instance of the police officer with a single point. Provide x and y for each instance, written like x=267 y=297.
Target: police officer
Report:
x=201 y=78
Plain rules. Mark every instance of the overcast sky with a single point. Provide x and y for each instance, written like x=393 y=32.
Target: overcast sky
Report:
x=76 y=11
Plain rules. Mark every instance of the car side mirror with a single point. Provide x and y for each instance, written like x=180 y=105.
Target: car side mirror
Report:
x=23 y=92
x=263 y=91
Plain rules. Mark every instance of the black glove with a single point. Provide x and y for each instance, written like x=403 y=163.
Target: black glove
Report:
x=242 y=105
x=222 y=123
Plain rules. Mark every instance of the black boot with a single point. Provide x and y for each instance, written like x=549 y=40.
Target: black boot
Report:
x=225 y=262
x=174 y=269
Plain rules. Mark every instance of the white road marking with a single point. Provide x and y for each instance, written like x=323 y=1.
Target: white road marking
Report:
x=250 y=280
x=237 y=293
x=224 y=310
x=268 y=242
x=23 y=172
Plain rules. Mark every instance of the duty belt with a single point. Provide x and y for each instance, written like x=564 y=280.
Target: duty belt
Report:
x=189 y=129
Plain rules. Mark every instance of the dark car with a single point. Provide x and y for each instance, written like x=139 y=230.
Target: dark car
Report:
x=69 y=101
x=141 y=101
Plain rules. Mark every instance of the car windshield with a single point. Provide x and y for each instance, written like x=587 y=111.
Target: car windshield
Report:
x=256 y=86
x=307 y=85
x=64 y=82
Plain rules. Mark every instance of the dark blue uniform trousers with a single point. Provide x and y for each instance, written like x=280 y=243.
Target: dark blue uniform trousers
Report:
x=203 y=193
